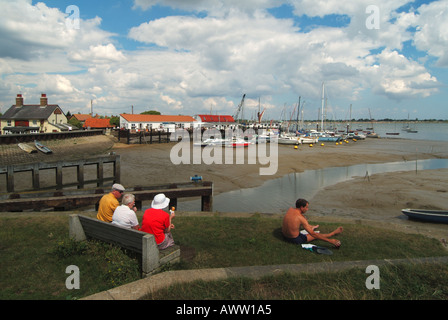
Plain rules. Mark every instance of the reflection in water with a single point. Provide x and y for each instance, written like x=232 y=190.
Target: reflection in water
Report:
x=277 y=195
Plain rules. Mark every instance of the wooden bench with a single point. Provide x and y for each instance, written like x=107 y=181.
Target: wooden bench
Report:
x=82 y=228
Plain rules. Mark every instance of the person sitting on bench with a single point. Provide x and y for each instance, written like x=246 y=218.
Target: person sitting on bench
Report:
x=158 y=222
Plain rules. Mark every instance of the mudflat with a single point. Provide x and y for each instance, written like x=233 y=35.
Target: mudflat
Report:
x=378 y=199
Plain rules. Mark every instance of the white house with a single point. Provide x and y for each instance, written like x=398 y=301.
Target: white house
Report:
x=146 y=122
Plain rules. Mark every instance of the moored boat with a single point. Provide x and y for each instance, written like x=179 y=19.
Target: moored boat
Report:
x=42 y=147
x=27 y=148
x=237 y=142
x=439 y=216
x=209 y=142
x=308 y=140
x=288 y=139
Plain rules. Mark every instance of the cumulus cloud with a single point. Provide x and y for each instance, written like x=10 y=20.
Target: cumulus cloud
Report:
x=207 y=60
x=432 y=30
x=98 y=54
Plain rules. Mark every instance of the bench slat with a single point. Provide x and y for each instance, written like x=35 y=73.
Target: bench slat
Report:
x=127 y=238
x=82 y=227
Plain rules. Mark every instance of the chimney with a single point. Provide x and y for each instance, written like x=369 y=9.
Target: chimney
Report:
x=43 y=100
x=19 y=100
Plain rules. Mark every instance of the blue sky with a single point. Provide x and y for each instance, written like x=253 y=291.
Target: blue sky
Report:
x=196 y=56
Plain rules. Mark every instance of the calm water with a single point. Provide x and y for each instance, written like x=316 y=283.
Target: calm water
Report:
x=278 y=195
x=426 y=131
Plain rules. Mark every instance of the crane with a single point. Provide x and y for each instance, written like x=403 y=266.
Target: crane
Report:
x=240 y=106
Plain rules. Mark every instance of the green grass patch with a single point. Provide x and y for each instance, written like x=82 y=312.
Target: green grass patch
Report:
x=402 y=282
x=35 y=252
x=226 y=242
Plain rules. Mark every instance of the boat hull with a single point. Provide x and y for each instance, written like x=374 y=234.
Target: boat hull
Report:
x=27 y=148
x=438 y=216
x=41 y=147
x=288 y=141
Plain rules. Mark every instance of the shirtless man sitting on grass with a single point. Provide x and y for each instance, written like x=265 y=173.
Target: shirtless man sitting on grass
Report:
x=294 y=219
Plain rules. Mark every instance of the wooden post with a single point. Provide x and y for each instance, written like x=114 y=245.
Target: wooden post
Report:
x=207 y=201
x=59 y=176
x=99 y=171
x=80 y=172
x=117 y=169
x=35 y=173
x=10 y=179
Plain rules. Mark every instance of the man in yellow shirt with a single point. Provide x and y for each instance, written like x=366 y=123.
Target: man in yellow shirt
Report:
x=109 y=203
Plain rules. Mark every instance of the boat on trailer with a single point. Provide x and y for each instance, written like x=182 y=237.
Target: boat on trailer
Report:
x=439 y=216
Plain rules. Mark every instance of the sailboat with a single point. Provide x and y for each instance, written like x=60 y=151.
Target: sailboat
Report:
x=394 y=133
x=408 y=128
x=323 y=135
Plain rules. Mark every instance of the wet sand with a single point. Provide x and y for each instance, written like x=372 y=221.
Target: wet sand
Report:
x=378 y=199
x=151 y=164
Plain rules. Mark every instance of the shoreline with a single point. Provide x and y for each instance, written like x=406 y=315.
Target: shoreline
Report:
x=379 y=200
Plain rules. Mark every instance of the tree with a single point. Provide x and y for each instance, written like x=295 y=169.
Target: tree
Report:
x=151 y=112
x=115 y=121
x=75 y=122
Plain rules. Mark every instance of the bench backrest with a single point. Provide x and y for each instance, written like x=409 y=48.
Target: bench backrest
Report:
x=127 y=238
x=82 y=227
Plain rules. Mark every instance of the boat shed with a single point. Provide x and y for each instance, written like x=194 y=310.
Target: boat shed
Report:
x=146 y=122
x=216 y=121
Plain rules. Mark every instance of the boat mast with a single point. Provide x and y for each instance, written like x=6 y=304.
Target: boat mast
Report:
x=322 y=111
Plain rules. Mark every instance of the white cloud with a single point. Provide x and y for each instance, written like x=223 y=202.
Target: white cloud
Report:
x=401 y=78
x=190 y=64
x=98 y=54
x=432 y=30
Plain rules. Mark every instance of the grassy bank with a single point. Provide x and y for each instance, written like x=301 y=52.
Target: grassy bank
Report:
x=35 y=252
x=402 y=282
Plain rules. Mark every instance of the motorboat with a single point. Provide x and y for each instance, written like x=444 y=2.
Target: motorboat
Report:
x=288 y=139
x=238 y=142
x=210 y=142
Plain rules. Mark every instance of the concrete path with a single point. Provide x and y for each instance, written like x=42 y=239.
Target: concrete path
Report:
x=139 y=289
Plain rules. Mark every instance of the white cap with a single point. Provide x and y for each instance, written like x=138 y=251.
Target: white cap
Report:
x=118 y=187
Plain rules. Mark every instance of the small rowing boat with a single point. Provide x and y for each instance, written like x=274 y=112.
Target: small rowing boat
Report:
x=42 y=147
x=440 y=216
x=27 y=148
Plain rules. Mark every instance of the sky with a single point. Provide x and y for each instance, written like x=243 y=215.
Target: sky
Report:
x=362 y=59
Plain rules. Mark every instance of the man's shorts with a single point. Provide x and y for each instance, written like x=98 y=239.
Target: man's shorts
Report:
x=301 y=239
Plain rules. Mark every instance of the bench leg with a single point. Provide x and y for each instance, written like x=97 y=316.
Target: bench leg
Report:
x=75 y=229
x=150 y=254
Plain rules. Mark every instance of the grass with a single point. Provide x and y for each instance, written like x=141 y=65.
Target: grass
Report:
x=402 y=282
x=35 y=252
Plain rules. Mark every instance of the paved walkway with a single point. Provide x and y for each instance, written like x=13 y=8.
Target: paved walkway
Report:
x=139 y=289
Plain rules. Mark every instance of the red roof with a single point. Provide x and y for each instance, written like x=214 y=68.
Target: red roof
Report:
x=215 y=118
x=155 y=118
x=82 y=117
x=97 y=123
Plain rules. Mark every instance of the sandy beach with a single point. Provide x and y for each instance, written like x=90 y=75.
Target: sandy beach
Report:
x=377 y=200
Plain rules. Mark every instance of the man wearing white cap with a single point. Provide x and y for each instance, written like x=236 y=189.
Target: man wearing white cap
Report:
x=109 y=203
x=158 y=222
